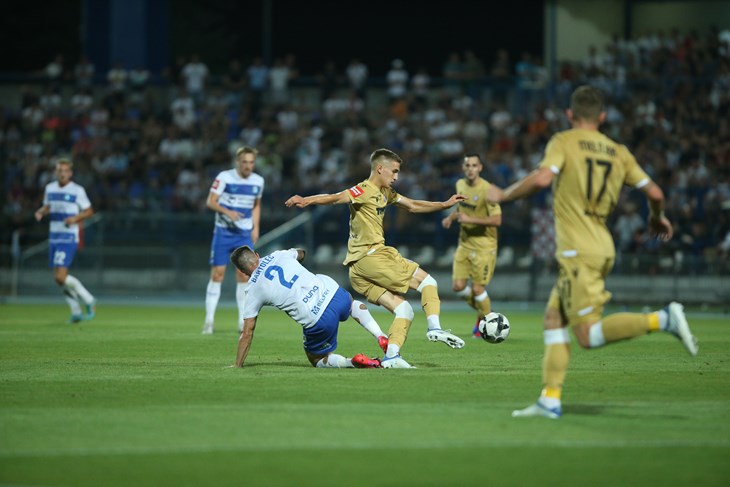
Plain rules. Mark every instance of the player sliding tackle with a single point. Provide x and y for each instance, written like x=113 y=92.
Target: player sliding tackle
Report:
x=315 y=301
x=378 y=271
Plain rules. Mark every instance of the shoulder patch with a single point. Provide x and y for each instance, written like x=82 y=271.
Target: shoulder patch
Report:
x=215 y=184
x=356 y=191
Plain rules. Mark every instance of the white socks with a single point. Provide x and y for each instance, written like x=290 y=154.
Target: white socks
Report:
x=360 y=313
x=335 y=361
x=212 y=296
x=72 y=303
x=392 y=351
x=433 y=321
x=77 y=289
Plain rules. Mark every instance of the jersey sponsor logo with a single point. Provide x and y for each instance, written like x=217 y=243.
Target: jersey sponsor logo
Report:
x=356 y=191
x=215 y=185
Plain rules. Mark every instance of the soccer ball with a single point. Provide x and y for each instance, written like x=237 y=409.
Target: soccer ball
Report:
x=494 y=327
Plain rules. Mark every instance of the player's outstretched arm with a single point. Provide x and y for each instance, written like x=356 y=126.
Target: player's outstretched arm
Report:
x=318 y=199
x=422 y=206
x=244 y=341
x=538 y=179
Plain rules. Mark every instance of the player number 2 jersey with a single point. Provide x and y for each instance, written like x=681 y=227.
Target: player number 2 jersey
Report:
x=281 y=281
x=590 y=171
x=63 y=202
x=237 y=194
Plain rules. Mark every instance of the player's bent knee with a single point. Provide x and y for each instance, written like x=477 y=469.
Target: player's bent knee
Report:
x=427 y=281
x=404 y=310
x=582 y=334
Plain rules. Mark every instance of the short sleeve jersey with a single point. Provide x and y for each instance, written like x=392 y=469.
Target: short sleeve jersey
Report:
x=471 y=236
x=367 y=209
x=237 y=194
x=281 y=281
x=63 y=202
x=590 y=171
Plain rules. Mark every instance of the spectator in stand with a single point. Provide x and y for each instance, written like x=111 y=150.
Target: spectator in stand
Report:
x=258 y=79
x=357 y=76
x=84 y=72
x=117 y=78
x=234 y=83
x=453 y=73
x=279 y=76
x=329 y=81
x=195 y=73
x=54 y=71
x=397 y=79
x=501 y=76
x=421 y=85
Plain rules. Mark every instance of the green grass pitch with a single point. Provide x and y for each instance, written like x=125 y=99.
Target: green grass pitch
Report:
x=139 y=397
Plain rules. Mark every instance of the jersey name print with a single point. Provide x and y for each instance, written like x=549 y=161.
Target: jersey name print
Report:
x=590 y=171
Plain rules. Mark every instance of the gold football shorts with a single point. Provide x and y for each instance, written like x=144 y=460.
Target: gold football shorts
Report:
x=580 y=292
x=475 y=265
x=383 y=270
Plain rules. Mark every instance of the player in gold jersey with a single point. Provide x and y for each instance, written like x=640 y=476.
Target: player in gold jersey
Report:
x=378 y=271
x=476 y=253
x=587 y=171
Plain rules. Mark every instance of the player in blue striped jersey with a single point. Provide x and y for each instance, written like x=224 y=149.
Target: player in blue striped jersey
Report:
x=67 y=205
x=235 y=196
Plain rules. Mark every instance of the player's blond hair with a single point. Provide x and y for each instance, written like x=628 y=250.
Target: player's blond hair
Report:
x=382 y=156
x=65 y=162
x=586 y=103
x=246 y=150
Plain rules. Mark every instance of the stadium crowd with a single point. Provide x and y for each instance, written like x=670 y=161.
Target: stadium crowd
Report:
x=150 y=142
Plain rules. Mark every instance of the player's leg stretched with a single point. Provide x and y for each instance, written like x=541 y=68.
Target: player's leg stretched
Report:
x=336 y=361
x=361 y=314
x=623 y=326
x=428 y=287
x=74 y=305
x=76 y=288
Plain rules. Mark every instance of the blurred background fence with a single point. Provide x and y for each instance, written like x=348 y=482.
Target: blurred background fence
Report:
x=149 y=255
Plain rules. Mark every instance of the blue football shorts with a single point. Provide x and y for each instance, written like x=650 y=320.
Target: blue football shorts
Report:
x=321 y=339
x=224 y=244
x=61 y=254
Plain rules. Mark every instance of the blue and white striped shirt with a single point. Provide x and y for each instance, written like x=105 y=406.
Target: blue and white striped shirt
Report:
x=63 y=202
x=237 y=194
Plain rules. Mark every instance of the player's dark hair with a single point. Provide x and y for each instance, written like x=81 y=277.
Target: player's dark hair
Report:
x=243 y=258
x=473 y=154
x=586 y=103
x=379 y=156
